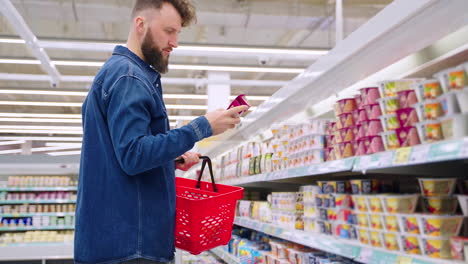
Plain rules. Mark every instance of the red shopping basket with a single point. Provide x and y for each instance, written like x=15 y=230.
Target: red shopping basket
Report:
x=204 y=212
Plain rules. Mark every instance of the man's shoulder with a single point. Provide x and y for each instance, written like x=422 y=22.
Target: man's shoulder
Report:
x=117 y=67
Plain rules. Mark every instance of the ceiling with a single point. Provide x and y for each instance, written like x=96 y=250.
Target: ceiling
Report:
x=81 y=30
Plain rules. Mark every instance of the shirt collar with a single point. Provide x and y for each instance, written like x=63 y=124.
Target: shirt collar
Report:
x=153 y=75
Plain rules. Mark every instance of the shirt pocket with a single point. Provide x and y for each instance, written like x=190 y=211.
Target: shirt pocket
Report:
x=159 y=117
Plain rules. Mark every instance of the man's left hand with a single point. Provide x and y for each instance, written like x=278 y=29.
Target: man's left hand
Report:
x=190 y=159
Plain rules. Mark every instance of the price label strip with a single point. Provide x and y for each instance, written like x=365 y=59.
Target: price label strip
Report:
x=402 y=156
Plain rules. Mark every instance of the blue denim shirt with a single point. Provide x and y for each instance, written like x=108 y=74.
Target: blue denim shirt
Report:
x=126 y=189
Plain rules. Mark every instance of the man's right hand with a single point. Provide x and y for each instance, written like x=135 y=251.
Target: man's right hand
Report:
x=222 y=120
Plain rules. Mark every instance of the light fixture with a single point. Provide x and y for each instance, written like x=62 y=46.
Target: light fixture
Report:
x=40 y=103
x=254 y=50
x=40 y=149
x=68 y=128
x=52 y=138
x=165 y=96
x=64 y=153
x=12 y=142
x=12 y=41
x=58 y=144
x=39 y=131
x=171 y=66
x=10 y=151
x=41 y=120
x=40 y=115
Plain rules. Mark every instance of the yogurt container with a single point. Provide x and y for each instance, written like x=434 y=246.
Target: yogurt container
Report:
x=458 y=245
x=376 y=238
x=365 y=186
x=375 y=203
x=409 y=224
x=362 y=129
x=407 y=116
x=389 y=122
x=363 y=144
x=406 y=98
x=347 y=119
x=402 y=203
x=440 y=205
x=347 y=105
x=373 y=111
x=408 y=136
x=389 y=105
x=347 y=134
x=455 y=126
x=428 y=89
x=411 y=244
x=369 y=95
x=429 y=131
x=362 y=219
x=358 y=99
x=437 y=187
x=374 y=128
x=360 y=203
x=392 y=87
x=361 y=115
x=391 y=223
x=440 y=225
x=334 y=186
x=363 y=235
x=376 y=221
x=391 y=241
x=452 y=79
x=376 y=145
x=346 y=149
x=428 y=110
x=436 y=247
x=449 y=103
x=463 y=201
x=390 y=140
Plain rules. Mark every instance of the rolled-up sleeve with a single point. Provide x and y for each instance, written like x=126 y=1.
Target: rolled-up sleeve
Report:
x=129 y=122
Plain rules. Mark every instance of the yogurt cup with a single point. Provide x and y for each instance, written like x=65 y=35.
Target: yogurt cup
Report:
x=364 y=186
x=358 y=99
x=391 y=241
x=374 y=128
x=458 y=245
x=463 y=201
x=436 y=247
x=400 y=203
x=440 y=225
x=389 y=105
x=409 y=223
x=428 y=89
x=347 y=134
x=373 y=111
x=429 y=131
x=375 y=203
x=408 y=136
x=334 y=187
x=363 y=235
x=440 y=205
x=407 y=116
x=411 y=244
x=369 y=95
x=362 y=219
x=376 y=145
x=363 y=144
x=376 y=238
x=462 y=99
x=389 y=122
x=390 y=140
x=437 y=187
x=406 y=98
x=360 y=203
x=347 y=105
x=363 y=127
x=346 y=149
x=392 y=87
x=455 y=126
x=376 y=221
x=391 y=223
x=452 y=79
x=361 y=115
x=347 y=120
x=428 y=110
x=449 y=103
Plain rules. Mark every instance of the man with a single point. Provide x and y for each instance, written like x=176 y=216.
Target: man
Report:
x=126 y=193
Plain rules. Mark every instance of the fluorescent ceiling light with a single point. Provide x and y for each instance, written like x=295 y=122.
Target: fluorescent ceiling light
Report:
x=41 y=149
x=12 y=41
x=64 y=153
x=12 y=142
x=41 y=92
x=26 y=131
x=171 y=66
x=10 y=151
x=58 y=144
x=40 y=103
x=69 y=128
x=188 y=118
x=72 y=139
x=40 y=115
x=41 y=120
x=191 y=107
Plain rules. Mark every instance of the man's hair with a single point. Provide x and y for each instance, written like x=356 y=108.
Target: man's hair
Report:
x=185 y=8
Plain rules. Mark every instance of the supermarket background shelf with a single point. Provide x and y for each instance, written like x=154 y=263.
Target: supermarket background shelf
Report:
x=34 y=189
x=36 y=251
x=34 y=228
x=35 y=214
x=342 y=247
x=225 y=256
x=36 y=201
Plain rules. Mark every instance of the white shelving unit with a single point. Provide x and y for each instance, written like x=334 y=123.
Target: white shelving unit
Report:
x=36 y=251
x=225 y=256
x=342 y=247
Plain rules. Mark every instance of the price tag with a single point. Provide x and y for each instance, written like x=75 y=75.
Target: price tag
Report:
x=374 y=161
x=404 y=260
x=402 y=155
x=445 y=150
x=419 y=154
x=365 y=255
x=386 y=159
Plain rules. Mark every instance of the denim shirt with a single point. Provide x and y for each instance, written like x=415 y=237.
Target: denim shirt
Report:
x=126 y=190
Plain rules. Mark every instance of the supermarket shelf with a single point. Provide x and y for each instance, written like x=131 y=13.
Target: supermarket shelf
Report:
x=36 y=201
x=225 y=256
x=315 y=169
x=36 y=251
x=421 y=154
x=342 y=247
x=34 y=228
x=37 y=189
x=35 y=214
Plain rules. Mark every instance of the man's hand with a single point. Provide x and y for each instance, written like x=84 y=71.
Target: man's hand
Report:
x=190 y=159
x=222 y=120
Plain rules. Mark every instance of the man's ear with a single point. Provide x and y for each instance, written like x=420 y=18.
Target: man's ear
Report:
x=140 y=25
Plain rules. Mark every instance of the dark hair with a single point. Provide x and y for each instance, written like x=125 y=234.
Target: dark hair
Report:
x=185 y=8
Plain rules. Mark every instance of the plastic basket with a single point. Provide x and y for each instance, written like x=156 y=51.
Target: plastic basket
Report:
x=204 y=212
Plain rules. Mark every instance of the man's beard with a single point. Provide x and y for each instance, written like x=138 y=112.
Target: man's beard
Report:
x=153 y=56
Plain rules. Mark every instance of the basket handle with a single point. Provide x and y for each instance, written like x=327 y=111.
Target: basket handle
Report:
x=206 y=160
